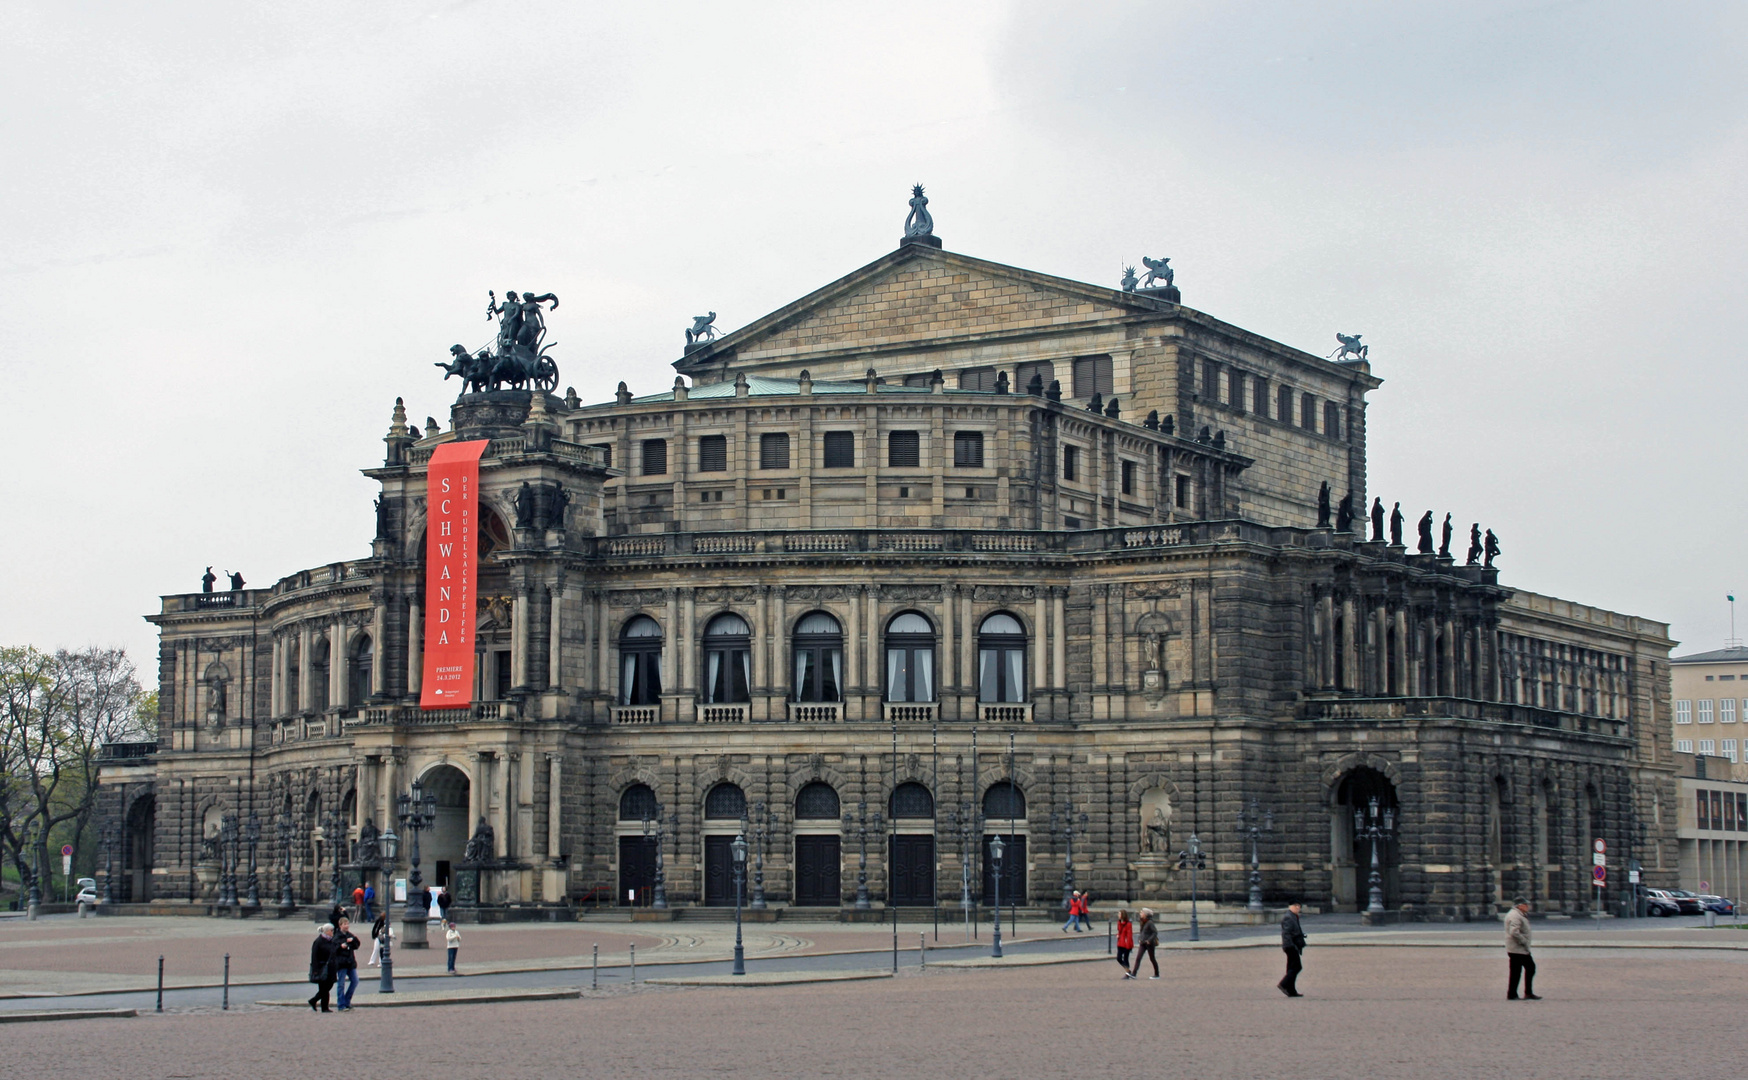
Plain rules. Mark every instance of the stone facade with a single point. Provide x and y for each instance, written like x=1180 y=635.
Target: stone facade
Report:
x=855 y=552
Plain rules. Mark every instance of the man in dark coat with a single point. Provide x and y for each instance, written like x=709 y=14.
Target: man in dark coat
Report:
x=1292 y=943
x=322 y=967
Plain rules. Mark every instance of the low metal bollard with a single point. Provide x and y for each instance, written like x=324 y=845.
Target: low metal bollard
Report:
x=227 y=1000
x=1108 y=938
x=922 y=959
x=1711 y=918
x=634 y=963
x=595 y=970
x=160 y=982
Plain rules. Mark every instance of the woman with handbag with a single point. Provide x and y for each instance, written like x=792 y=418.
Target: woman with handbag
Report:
x=322 y=967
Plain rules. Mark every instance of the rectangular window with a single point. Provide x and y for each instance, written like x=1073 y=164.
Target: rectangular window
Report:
x=1259 y=395
x=1684 y=746
x=1235 y=387
x=1044 y=370
x=1332 y=419
x=655 y=457
x=1070 y=462
x=1285 y=411
x=775 y=493
x=903 y=450
x=713 y=453
x=1726 y=678
x=1705 y=712
x=1092 y=375
x=1728 y=748
x=1707 y=746
x=1183 y=493
x=774 y=450
x=1718 y=820
x=1684 y=712
x=1727 y=710
x=1308 y=412
x=1211 y=381
x=1128 y=478
x=924 y=380
x=1702 y=806
x=1742 y=811
x=840 y=450
x=1071 y=523
x=978 y=378
x=606 y=449
x=968 y=449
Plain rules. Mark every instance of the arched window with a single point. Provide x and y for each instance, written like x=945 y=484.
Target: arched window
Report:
x=912 y=800
x=320 y=655
x=1001 y=659
x=727 y=660
x=910 y=658
x=816 y=802
x=725 y=801
x=358 y=687
x=640 y=662
x=638 y=803
x=819 y=658
x=1004 y=801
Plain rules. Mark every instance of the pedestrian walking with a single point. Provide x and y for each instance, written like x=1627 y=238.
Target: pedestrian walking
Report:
x=1086 y=909
x=1149 y=942
x=426 y=898
x=1292 y=943
x=1125 y=939
x=346 y=945
x=443 y=901
x=322 y=966
x=382 y=931
x=358 y=901
x=452 y=938
x=369 y=904
x=1517 y=952
x=1073 y=913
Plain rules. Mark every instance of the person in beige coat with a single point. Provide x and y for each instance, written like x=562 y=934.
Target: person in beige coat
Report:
x=1517 y=951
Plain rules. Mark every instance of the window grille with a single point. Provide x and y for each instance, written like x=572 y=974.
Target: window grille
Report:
x=638 y=802
x=725 y=801
x=816 y=802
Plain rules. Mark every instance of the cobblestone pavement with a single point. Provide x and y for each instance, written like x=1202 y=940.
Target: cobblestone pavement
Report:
x=1385 y=1011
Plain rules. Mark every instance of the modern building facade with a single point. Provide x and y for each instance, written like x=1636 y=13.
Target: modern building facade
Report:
x=1710 y=691
x=943 y=551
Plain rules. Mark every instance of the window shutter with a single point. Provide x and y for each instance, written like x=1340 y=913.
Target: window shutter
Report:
x=655 y=457
x=713 y=453
x=903 y=450
x=774 y=451
x=968 y=449
x=840 y=450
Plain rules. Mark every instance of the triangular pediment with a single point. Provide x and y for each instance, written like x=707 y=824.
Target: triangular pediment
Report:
x=920 y=295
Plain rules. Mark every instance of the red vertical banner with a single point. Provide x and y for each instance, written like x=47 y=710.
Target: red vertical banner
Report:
x=451 y=573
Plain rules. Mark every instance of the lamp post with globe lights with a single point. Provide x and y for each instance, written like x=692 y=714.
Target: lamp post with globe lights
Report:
x=417 y=811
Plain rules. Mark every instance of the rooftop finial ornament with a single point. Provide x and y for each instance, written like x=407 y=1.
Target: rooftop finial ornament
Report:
x=1349 y=348
x=919 y=224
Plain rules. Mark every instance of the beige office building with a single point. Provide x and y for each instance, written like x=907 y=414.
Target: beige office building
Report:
x=1710 y=692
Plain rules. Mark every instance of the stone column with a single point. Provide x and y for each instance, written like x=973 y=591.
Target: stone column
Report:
x=305 y=669
x=388 y=793
x=779 y=624
x=603 y=646
x=1041 y=642
x=554 y=784
x=276 y=694
x=365 y=805
x=415 y=650
x=519 y=638
x=1399 y=651
x=523 y=804
x=761 y=636
x=378 y=654
x=1448 y=662
x=337 y=682
x=1100 y=620
x=671 y=644
x=944 y=619
x=555 y=648
x=1059 y=640
x=502 y=818
x=871 y=665
x=1325 y=630
x=689 y=635
x=479 y=791
x=967 y=645
x=1381 y=649
x=1347 y=643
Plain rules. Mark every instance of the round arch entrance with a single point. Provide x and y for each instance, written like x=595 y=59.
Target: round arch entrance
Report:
x=444 y=844
x=1351 y=853
x=137 y=851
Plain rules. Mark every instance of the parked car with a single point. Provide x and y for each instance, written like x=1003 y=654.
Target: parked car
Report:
x=1719 y=904
x=1689 y=901
x=87 y=893
x=1658 y=902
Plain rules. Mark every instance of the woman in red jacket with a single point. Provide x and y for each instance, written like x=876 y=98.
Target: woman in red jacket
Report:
x=1125 y=939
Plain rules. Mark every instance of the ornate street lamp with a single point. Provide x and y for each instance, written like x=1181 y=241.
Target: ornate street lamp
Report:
x=1249 y=821
x=286 y=900
x=109 y=864
x=228 y=845
x=1193 y=859
x=336 y=834
x=861 y=821
x=390 y=846
x=34 y=898
x=654 y=825
x=1375 y=828
x=995 y=849
x=761 y=833
x=417 y=812
x=962 y=825
x=252 y=833
x=1068 y=822
x=739 y=847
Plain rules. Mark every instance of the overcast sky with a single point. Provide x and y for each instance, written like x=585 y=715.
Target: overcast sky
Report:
x=232 y=234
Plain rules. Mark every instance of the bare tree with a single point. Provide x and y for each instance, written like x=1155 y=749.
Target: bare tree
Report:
x=56 y=713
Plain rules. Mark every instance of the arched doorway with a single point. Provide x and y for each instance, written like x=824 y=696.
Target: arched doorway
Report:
x=913 y=846
x=818 y=847
x=638 y=814
x=444 y=844
x=1351 y=853
x=724 y=806
x=138 y=851
x=1004 y=815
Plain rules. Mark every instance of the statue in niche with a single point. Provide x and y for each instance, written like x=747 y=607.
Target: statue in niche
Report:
x=556 y=508
x=381 y=520
x=1156 y=816
x=1344 y=514
x=1491 y=548
x=481 y=845
x=366 y=853
x=1322 y=504
x=1377 y=520
x=1424 y=529
x=525 y=506
x=919 y=222
x=1444 y=547
x=1396 y=525
x=1474 y=544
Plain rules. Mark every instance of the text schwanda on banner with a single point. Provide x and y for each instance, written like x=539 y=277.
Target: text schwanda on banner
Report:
x=451 y=574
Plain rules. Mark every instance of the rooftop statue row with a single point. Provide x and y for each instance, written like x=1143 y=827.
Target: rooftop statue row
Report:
x=1482 y=550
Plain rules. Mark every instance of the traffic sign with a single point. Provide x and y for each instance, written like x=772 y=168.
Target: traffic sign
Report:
x=1601 y=845
x=1600 y=874
x=1632 y=877
x=1599 y=859
x=66 y=849
x=66 y=865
